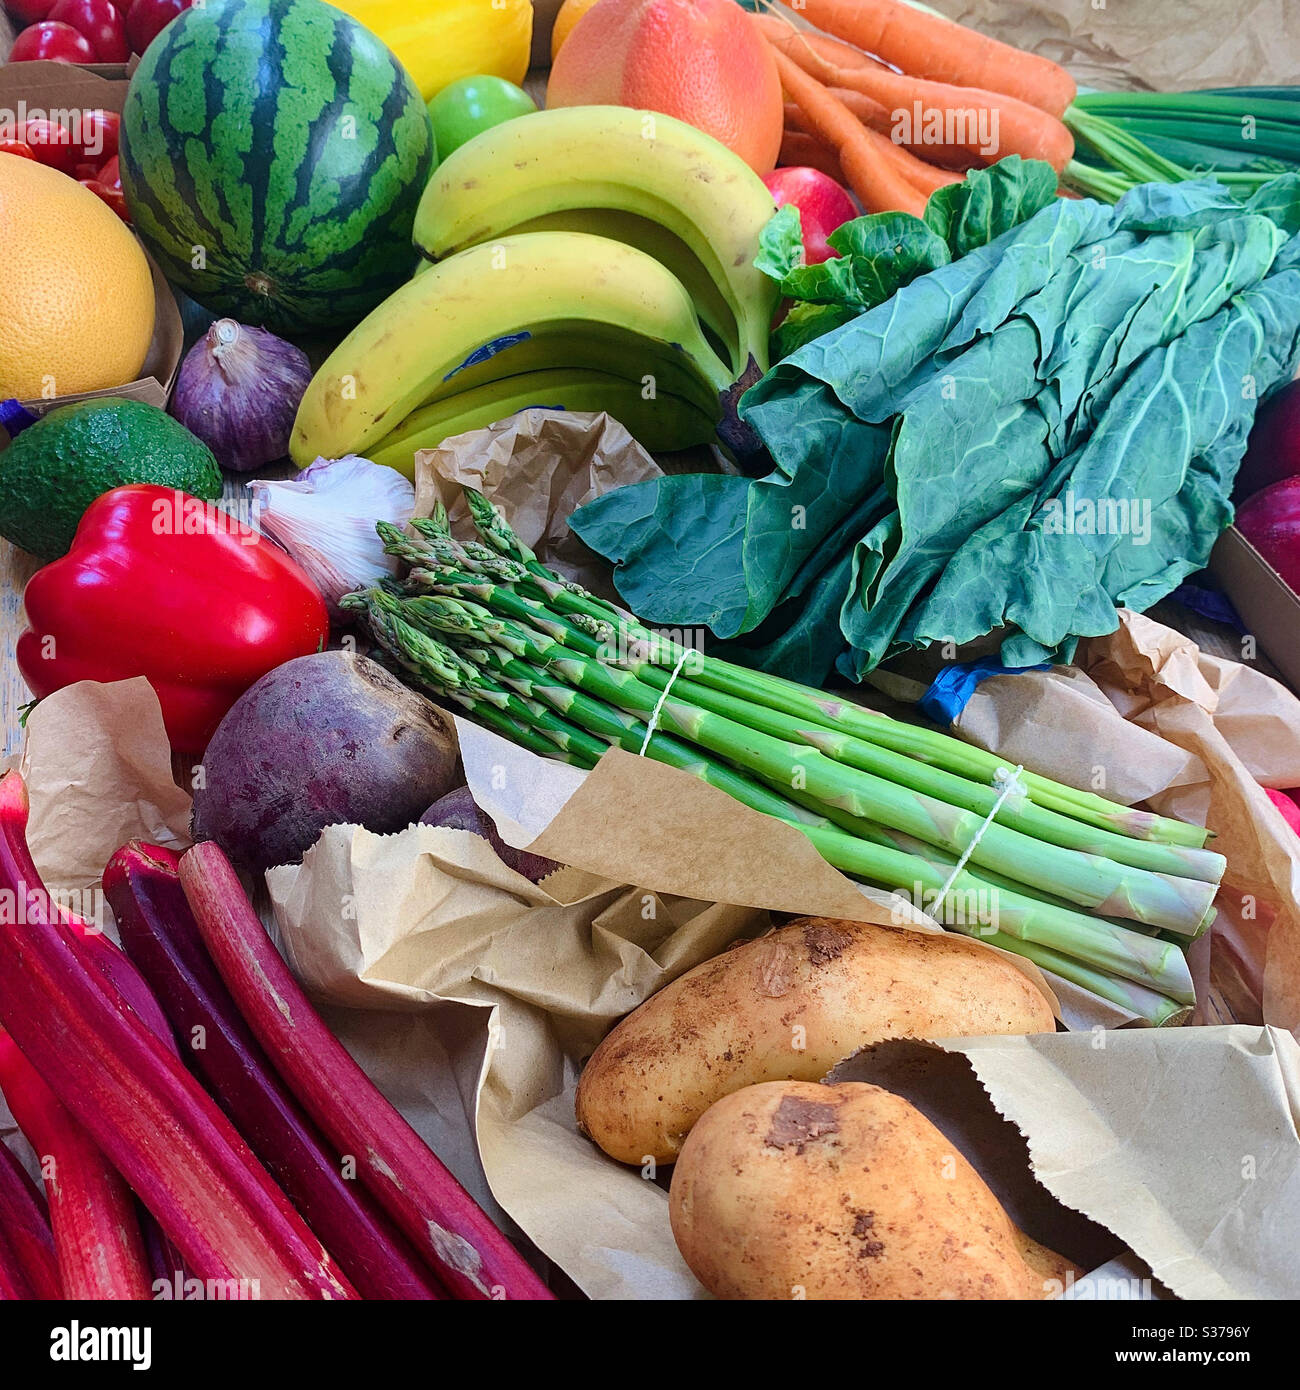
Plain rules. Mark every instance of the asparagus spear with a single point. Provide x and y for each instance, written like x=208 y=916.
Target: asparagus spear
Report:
x=1020 y=814
x=1107 y=946
x=1161 y=900
x=773 y=692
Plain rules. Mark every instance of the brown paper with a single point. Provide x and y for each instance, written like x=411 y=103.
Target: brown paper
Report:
x=1180 y=1142
x=98 y=770
x=539 y=467
x=1161 y=45
x=1243 y=727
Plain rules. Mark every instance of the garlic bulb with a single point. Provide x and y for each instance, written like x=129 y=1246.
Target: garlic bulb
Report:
x=325 y=518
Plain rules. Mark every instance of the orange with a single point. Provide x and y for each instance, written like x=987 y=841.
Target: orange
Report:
x=76 y=298
x=699 y=60
x=570 y=13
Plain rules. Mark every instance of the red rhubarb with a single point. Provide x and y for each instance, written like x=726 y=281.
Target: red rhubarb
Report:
x=473 y=1258
x=160 y=934
x=149 y=1116
x=25 y=1224
x=96 y=1235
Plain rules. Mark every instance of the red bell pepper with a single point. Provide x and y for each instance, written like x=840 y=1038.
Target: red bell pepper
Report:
x=163 y=585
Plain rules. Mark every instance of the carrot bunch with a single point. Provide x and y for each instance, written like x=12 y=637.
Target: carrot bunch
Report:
x=896 y=102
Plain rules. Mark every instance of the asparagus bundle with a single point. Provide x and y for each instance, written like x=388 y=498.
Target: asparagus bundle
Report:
x=1101 y=894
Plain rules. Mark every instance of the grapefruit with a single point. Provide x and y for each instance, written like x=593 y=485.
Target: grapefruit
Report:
x=569 y=14
x=76 y=297
x=699 y=60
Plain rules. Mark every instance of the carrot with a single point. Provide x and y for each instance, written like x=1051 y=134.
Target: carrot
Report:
x=920 y=173
x=927 y=45
x=807 y=151
x=986 y=125
x=774 y=28
x=871 y=173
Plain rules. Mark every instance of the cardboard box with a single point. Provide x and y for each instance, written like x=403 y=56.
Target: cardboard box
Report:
x=1268 y=605
x=65 y=86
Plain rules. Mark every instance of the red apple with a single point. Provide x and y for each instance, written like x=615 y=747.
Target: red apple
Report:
x=1284 y=803
x=148 y=18
x=100 y=23
x=823 y=205
x=1270 y=521
x=49 y=39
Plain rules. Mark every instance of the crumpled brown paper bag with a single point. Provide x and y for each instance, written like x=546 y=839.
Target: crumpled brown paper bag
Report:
x=539 y=467
x=1160 y=45
x=1243 y=728
x=1181 y=1142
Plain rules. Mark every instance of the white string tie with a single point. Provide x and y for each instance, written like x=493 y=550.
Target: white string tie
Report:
x=653 y=722
x=1008 y=784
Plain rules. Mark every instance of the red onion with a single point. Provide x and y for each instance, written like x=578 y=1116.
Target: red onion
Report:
x=238 y=390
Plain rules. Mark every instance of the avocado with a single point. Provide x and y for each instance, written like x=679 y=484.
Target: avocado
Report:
x=56 y=468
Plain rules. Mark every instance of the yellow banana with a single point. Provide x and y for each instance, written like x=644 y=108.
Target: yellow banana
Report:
x=599 y=347
x=612 y=158
x=667 y=248
x=661 y=423
x=450 y=320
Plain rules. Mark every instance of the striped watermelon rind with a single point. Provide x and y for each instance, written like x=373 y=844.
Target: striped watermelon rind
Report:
x=273 y=154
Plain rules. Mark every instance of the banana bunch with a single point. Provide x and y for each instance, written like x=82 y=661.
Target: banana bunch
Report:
x=587 y=258
x=648 y=180
x=543 y=318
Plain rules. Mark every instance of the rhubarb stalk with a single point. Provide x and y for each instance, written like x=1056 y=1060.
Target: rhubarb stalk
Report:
x=473 y=1258
x=96 y=1235
x=160 y=934
x=25 y=1223
x=149 y=1116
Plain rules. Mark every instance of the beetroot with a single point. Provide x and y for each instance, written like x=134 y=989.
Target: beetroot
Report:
x=459 y=811
x=324 y=739
x=1273 y=450
x=1270 y=521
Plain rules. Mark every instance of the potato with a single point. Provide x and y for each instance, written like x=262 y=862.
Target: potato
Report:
x=792 y=1003
x=790 y=1189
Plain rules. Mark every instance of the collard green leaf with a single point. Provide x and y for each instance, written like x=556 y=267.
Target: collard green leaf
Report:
x=989 y=202
x=1095 y=363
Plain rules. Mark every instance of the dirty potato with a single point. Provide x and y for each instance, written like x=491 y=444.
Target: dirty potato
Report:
x=795 y=1190
x=792 y=1004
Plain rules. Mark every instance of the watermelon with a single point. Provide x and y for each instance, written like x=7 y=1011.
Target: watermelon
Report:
x=273 y=153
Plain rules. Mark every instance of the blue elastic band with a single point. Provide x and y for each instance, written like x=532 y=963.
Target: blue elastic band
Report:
x=951 y=689
x=15 y=417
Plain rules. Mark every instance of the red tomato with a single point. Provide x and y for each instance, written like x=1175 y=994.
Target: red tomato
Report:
x=29 y=11
x=111 y=174
x=19 y=147
x=83 y=172
x=52 y=145
x=99 y=22
x=148 y=18
x=99 y=134
x=114 y=197
x=49 y=39
x=823 y=205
